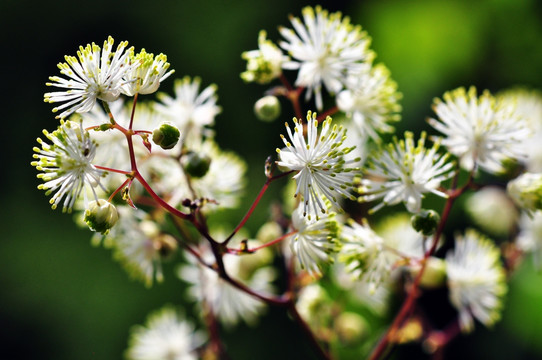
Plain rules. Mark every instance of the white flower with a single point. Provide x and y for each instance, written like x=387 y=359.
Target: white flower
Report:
x=95 y=74
x=165 y=336
x=66 y=165
x=404 y=172
x=228 y=303
x=326 y=49
x=190 y=110
x=264 y=64
x=479 y=130
x=526 y=191
x=529 y=238
x=365 y=256
x=145 y=78
x=322 y=170
x=314 y=241
x=371 y=100
x=476 y=279
x=528 y=104
x=136 y=245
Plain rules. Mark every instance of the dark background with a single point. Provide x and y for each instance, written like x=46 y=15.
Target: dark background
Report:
x=63 y=299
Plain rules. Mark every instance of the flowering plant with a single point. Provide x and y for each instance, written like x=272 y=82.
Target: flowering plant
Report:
x=147 y=178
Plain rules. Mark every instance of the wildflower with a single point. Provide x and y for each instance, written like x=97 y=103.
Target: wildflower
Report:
x=528 y=105
x=322 y=170
x=145 y=78
x=403 y=172
x=314 y=241
x=166 y=335
x=476 y=280
x=227 y=303
x=371 y=100
x=529 y=238
x=326 y=48
x=264 y=64
x=479 y=130
x=95 y=74
x=363 y=253
x=66 y=165
x=526 y=191
x=190 y=110
x=136 y=244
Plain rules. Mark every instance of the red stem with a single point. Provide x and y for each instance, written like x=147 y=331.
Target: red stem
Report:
x=124 y=172
x=253 y=250
x=253 y=206
x=409 y=302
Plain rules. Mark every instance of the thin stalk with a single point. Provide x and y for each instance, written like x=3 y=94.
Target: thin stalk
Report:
x=253 y=206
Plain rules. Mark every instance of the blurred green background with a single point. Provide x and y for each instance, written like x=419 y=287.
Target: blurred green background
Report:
x=63 y=299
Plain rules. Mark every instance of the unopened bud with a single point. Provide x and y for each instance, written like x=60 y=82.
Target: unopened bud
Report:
x=196 y=165
x=425 y=222
x=166 y=136
x=101 y=216
x=351 y=327
x=526 y=191
x=434 y=275
x=267 y=108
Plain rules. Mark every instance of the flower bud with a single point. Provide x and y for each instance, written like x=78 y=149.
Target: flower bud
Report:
x=196 y=165
x=351 y=328
x=526 y=191
x=267 y=108
x=101 y=216
x=166 y=136
x=425 y=221
x=434 y=275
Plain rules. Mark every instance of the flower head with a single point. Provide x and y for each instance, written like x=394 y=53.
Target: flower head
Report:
x=528 y=104
x=190 y=110
x=264 y=64
x=326 y=48
x=147 y=76
x=476 y=279
x=66 y=164
x=229 y=304
x=526 y=191
x=166 y=335
x=314 y=242
x=403 y=171
x=364 y=254
x=529 y=238
x=371 y=100
x=479 y=130
x=95 y=74
x=322 y=171
x=138 y=245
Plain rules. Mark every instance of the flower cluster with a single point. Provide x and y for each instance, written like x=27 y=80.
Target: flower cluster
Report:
x=151 y=181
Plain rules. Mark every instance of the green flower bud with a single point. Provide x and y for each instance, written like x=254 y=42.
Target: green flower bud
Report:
x=101 y=216
x=196 y=165
x=526 y=191
x=351 y=328
x=434 y=275
x=166 y=136
x=267 y=108
x=425 y=221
